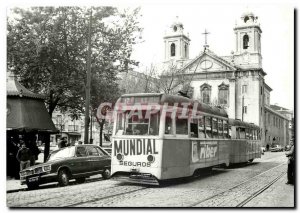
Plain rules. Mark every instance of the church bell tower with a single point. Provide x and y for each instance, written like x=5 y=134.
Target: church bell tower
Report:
x=248 y=42
x=176 y=43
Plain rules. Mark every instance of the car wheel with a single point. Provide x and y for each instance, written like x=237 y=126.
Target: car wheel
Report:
x=63 y=177
x=32 y=186
x=80 y=180
x=106 y=173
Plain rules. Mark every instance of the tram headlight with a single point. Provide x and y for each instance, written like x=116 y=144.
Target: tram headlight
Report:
x=151 y=158
x=120 y=156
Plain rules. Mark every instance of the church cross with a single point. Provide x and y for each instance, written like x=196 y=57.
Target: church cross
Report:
x=205 y=34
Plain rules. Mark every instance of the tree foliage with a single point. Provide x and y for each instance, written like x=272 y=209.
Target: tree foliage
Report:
x=47 y=49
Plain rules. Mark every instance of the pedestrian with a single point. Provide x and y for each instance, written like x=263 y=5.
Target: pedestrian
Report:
x=35 y=152
x=62 y=143
x=291 y=164
x=268 y=146
x=24 y=156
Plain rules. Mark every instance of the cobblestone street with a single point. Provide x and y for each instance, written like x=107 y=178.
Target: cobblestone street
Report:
x=223 y=187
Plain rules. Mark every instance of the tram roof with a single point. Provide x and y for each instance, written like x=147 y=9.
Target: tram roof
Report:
x=239 y=123
x=172 y=99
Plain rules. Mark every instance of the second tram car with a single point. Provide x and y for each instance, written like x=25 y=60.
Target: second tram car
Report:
x=159 y=136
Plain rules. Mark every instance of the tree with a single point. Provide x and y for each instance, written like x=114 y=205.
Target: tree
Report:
x=47 y=48
x=173 y=80
x=139 y=82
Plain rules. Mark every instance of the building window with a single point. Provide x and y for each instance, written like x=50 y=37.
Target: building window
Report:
x=223 y=93
x=185 y=51
x=244 y=89
x=245 y=109
x=172 y=49
x=245 y=41
x=205 y=93
x=73 y=127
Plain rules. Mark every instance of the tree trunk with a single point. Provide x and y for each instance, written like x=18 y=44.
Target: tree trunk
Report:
x=46 y=140
x=101 y=131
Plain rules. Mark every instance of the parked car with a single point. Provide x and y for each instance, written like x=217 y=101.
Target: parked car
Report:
x=108 y=150
x=287 y=147
x=276 y=148
x=73 y=162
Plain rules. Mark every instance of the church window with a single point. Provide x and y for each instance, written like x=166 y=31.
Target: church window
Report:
x=172 y=49
x=246 y=19
x=244 y=89
x=185 y=51
x=205 y=93
x=223 y=94
x=245 y=41
x=245 y=109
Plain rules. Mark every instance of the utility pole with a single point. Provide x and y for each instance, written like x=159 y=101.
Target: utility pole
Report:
x=88 y=86
x=91 y=129
x=243 y=109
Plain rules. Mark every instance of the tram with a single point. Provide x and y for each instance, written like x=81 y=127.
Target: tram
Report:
x=158 y=137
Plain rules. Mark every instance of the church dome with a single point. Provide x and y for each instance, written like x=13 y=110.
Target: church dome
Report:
x=248 y=17
x=176 y=24
x=248 y=13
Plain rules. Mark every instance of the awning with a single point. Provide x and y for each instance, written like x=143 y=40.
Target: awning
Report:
x=73 y=133
x=28 y=114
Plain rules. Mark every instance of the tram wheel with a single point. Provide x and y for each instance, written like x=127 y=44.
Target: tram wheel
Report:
x=251 y=160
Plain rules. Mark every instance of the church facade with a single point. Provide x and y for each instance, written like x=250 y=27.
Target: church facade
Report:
x=235 y=82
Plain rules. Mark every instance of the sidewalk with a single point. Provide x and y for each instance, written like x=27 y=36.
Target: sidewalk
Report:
x=13 y=185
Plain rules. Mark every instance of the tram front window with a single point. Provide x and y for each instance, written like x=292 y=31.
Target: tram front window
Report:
x=137 y=123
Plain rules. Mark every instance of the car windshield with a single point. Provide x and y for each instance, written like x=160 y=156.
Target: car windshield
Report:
x=62 y=153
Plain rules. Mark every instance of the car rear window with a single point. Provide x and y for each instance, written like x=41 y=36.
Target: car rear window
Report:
x=80 y=151
x=63 y=153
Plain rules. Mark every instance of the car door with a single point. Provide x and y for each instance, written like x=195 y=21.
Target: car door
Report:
x=81 y=164
x=104 y=159
x=97 y=158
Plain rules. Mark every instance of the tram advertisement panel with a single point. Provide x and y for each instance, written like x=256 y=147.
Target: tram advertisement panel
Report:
x=250 y=147
x=204 y=150
x=136 y=152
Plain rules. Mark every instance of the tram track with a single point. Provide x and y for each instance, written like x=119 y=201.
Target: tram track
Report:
x=244 y=202
x=103 y=198
x=227 y=198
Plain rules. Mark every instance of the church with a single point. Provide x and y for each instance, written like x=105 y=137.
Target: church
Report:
x=234 y=82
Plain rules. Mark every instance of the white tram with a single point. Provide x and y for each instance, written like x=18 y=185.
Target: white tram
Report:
x=158 y=137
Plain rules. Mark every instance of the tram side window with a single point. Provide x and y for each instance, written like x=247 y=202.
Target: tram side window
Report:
x=119 y=129
x=226 y=129
x=215 y=127
x=254 y=134
x=208 y=127
x=194 y=128
x=181 y=126
x=220 y=126
x=247 y=133
x=251 y=133
x=154 y=124
x=168 y=124
x=201 y=127
x=242 y=133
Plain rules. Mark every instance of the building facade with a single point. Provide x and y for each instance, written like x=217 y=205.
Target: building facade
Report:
x=235 y=82
x=73 y=129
